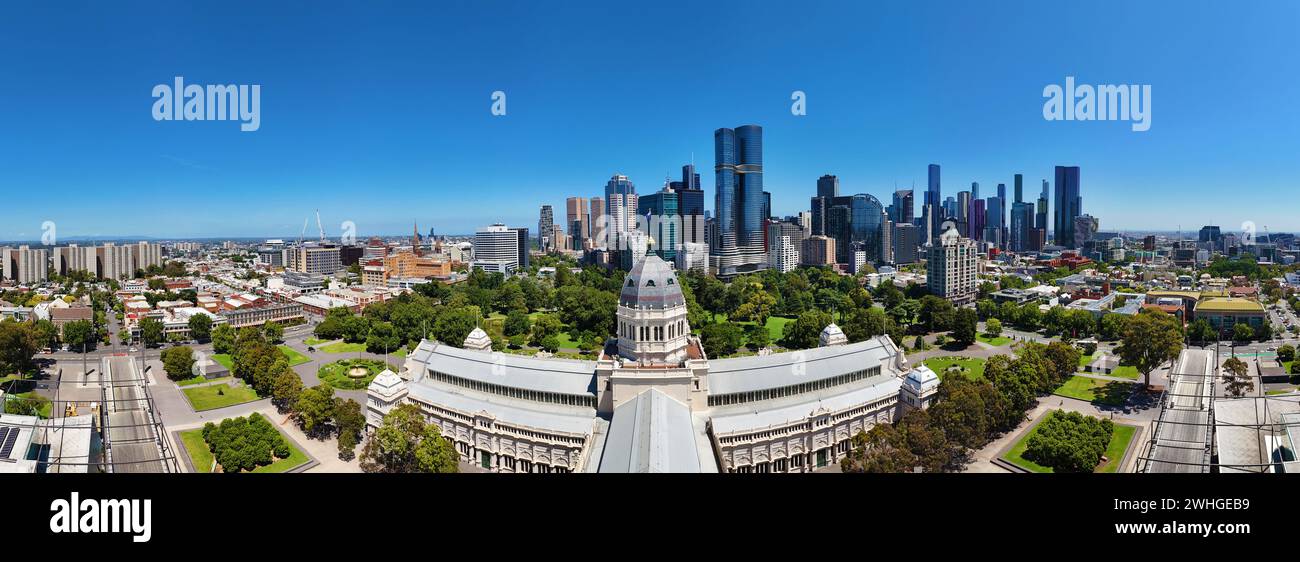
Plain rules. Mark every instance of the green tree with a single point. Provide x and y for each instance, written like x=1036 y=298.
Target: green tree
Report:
x=1236 y=381
x=274 y=332
x=1069 y=442
x=79 y=334
x=804 y=331
x=405 y=443
x=151 y=331
x=349 y=420
x=223 y=339
x=757 y=337
x=315 y=408
x=1150 y=339
x=517 y=323
x=993 y=327
x=46 y=334
x=17 y=347
x=965 y=326
x=721 y=339
x=178 y=362
x=1286 y=353
x=200 y=327
x=286 y=389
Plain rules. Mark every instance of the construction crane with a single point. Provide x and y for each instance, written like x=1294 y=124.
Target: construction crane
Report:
x=319 y=227
x=304 y=230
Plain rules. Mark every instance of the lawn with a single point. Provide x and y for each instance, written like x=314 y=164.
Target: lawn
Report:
x=972 y=367
x=1085 y=360
x=201 y=454
x=342 y=347
x=336 y=374
x=996 y=341
x=295 y=358
x=315 y=341
x=200 y=380
x=225 y=360
x=218 y=396
x=775 y=325
x=1126 y=372
x=1112 y=393
x=47 y=406
x=1119 y=441
x=1277 y=392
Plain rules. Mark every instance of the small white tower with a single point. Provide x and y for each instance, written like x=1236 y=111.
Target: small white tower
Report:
x=478 y=340
x=652 y=327
x=832 y=335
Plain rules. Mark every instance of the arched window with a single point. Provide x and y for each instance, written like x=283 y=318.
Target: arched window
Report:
x=650 y=283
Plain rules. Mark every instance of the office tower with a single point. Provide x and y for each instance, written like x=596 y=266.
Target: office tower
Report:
x=545 y=229
x=690 y=205
x=599 y=228
x=1149 y=243
x=906 y=240
x=977 y=218
x=578 y=220
x=25 y=265
x=1020 y=188
x=1210 y=234
x=951 y=268
x=805 y=221
x=497 y=248
x=1068 y=205
x=1084 y=227
x=1003 y=205
x=620 y=208
x=993 y=231
x=934 y=200
x=739 y=202
x=1040 y=215
x=902 y=206
x=858 y=222
x=818 y=251
x=662 y=222
x=828 y=186
x=962 y=212
x=1022 y=225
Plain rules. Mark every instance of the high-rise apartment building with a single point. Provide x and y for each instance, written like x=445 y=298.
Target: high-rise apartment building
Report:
x=546 y=229
x=314 y=259
x=577 y=216
x=952 y=266
x=25 y=265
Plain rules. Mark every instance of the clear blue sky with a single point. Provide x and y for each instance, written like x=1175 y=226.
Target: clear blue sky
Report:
x=379 y=112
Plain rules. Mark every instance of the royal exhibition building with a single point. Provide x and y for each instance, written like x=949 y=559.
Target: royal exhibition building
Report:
x=653 y=401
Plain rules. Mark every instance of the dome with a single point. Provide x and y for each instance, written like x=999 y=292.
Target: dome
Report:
x=477 y=339
x=651 y=284
x=832 y=335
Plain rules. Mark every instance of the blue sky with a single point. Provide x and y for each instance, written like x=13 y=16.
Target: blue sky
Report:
x=379 y=114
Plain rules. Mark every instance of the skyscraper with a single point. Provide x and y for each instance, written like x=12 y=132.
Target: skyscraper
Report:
x=663 y=223
x=690 y=205
x=828 y=186
x=1040 y=213
x=1020 y=188
x=620 y=207
x=599 y=227
x=545 y=228
x=578 y=221
x=739 y=202
x=903 y=205
x=1068 y=205
x=1022 y=223
x=934 y=202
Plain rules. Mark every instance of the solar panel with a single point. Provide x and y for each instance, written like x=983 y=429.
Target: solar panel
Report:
x=9 y=440
x=4 y=432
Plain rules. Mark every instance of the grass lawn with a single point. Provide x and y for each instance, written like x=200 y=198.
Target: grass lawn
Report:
x=225 y=360
x=1085 y=360
x=400 y=353
x=218 y=396
x=201 y=454
x=336 y=374
x=1126 y=372
x=1000 y=340
x=342 y=347
x=1277 y=392
x=200 y=380
x=1113 y=393
x=972 y=367
x=315 y=341
x=295 y=358
x=1114 y=451
x=47 y=406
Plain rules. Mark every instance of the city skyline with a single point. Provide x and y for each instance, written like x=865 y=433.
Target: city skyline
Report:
x=429 y=141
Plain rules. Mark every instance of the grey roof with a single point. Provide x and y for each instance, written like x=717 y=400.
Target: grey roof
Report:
x=751 y=417
x=651 y=284
x=549 y=417
x=564 y=376
x=651 y=433
x=1182 y=432
x=745 y=374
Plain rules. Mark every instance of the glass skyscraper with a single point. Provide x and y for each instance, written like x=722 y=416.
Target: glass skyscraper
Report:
x=739 y=202
x=1068 y=205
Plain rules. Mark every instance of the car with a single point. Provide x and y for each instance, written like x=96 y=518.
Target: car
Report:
x=133 y=349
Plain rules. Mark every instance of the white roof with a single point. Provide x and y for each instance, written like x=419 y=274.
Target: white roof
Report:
x=745 y=374
x=564 y=376
x=651 y=433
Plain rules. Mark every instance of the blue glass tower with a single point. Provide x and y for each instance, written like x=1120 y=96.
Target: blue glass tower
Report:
x=740 y=202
